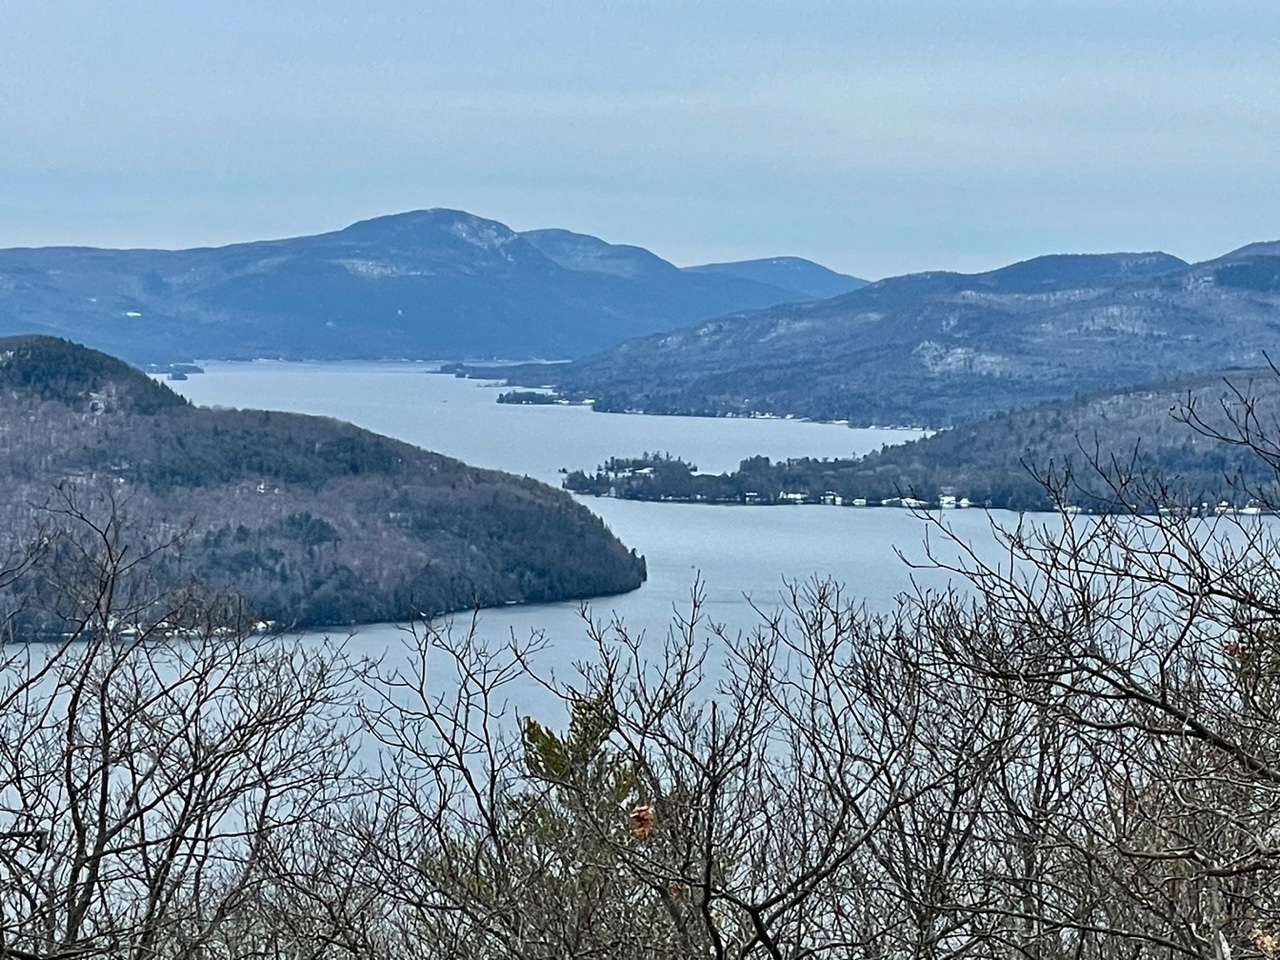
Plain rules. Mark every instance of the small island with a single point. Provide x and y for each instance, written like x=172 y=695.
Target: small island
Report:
x=174 y=371
x=535 y=398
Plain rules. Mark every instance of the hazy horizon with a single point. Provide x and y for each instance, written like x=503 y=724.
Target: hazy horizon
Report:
x=874 y=139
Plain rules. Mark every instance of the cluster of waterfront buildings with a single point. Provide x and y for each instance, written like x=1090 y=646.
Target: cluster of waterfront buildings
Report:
x=833 y=499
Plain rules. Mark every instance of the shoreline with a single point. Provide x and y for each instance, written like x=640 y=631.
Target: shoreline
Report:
x=930 y=507
x=159 y=369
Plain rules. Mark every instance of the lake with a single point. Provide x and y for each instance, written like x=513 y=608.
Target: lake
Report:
x=744 y=555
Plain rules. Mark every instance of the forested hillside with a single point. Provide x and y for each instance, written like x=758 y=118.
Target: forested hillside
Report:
x=309 y=520
x=938 y=349
x=1101 y=450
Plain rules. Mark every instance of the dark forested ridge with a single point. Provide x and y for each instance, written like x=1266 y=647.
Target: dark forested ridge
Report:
x=44 y=369
x=938 y=349
x=312 y=521
x=1090 y=445
x=428 y=284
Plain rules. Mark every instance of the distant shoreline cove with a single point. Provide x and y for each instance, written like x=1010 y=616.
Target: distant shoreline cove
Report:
x=756 y=415
x=788 y=417
x=449 y=368
x=437 y=362
x=548 y=394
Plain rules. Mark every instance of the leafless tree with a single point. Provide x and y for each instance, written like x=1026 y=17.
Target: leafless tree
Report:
x=1071 y=754
x=1144 y=643
x=154 y=755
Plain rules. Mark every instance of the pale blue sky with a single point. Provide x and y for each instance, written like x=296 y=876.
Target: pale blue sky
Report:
x=879 y=138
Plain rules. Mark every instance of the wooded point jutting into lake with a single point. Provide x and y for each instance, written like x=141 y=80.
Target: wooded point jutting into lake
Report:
x=645 y=482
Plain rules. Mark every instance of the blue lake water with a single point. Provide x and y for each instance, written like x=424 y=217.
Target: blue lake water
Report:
x=743 y=555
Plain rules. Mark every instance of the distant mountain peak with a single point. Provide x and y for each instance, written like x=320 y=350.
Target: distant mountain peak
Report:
x=804 y=278
x=469 y=228
x=1067 y=269
x=432 y=215
x=590 y=254
x=1255 y=266
x=1263 y=248
x=429 y=283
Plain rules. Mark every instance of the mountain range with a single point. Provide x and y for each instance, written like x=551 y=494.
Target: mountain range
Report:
x=780 y=336
x=428 y=284
x=936 y=349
